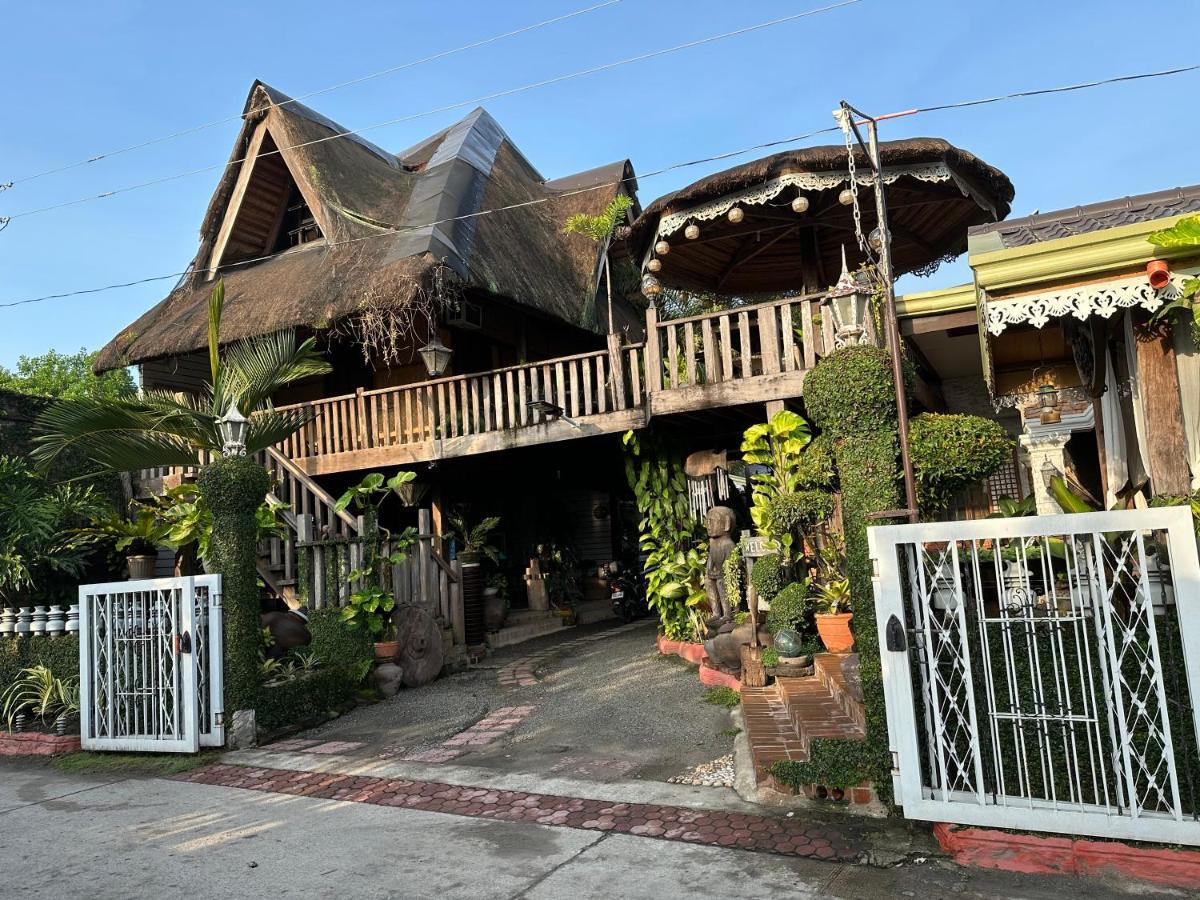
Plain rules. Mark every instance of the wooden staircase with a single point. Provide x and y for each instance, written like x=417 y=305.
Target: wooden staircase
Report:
x=783 y=718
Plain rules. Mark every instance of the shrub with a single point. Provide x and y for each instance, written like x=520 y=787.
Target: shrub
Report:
x=953 y=452
x=306 y=699
x=800 y=511
x=734 y=573
x=815 y=469
x=768 y=576
x=770 y=658
x=790 y=608
x=342 y=648
x=851 y=391
x=60 y=655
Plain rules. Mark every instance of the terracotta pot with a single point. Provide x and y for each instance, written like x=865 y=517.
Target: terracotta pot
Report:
x=385 y=651
x=141 y=566
x=835 y=632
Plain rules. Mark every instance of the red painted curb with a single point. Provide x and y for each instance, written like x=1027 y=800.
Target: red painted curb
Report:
x=693 y=653
x=1047 y=855
x=35 y=743
x=716 y=678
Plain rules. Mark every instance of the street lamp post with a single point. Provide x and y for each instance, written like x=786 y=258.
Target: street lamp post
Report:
x=845 y=117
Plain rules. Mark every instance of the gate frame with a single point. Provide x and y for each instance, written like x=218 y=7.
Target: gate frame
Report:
x=192 y=733
x=923 y=802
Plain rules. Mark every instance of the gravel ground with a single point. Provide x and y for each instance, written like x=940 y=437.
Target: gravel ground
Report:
x=603 y=710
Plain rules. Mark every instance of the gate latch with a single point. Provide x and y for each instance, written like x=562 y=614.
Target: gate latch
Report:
x=185 y=642
x=894 y=635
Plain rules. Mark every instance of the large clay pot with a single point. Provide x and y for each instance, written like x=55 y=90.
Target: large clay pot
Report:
x=494 y=611
x=835 y=632
x=385 y=651
x=141 y=566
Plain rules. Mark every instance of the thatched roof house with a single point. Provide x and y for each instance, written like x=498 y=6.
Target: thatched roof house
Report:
x=309 y=224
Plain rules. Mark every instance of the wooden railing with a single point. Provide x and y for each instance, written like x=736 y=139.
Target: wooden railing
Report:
x=582 y=385
x=735 y=344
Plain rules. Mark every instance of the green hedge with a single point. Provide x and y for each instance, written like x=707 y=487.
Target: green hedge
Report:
x=307 y=699
x=951 y=453
x=59 y=654
x=338 y=646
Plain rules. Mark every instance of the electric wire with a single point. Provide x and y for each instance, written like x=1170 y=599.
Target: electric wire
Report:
x=442 y=54
x=962 y=104
x=508 y=92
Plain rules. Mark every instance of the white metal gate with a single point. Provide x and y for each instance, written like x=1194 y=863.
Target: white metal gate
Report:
x=150 y=664
x=1041 y=673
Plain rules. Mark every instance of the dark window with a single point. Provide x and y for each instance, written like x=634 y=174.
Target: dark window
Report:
x=299 y=226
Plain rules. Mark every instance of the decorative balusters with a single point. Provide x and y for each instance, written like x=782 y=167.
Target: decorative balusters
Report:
x=24 y=618
x=56 y=620
x=8 y=620
x=49 y=621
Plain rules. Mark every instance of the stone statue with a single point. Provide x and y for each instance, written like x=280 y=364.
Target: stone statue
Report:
x=719 y=522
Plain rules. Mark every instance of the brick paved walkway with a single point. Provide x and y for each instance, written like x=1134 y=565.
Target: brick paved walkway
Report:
x=786 y=836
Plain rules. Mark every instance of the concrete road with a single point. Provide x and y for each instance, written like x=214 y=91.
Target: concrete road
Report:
x=65 y=836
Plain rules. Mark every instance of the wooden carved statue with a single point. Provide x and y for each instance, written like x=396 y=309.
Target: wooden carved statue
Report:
x=719 y=522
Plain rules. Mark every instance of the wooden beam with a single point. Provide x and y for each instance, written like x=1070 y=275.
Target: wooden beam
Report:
x=759 y=389
x=751 y=246
x=939 y=323
x=235 y=198
x=1158 y=383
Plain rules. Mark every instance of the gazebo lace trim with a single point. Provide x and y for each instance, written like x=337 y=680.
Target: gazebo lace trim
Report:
x=807 y=181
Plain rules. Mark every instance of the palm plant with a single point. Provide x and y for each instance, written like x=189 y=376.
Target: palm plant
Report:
x=600 y=229
x=475 y=539
x=38 y=692
x=163 y=428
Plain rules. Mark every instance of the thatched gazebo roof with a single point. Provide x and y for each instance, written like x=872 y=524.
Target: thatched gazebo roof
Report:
x=388 y=223
x=935 y=191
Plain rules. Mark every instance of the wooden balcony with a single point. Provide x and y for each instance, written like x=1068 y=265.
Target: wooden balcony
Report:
x=747 y=355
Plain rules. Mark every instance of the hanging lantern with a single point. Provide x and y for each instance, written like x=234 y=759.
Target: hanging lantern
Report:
x=692 y=232
x=436 y=357
x=651 y=287
x=849 y=302
x=736 y=215
x=662 y=248
x=655 y=265
x=875 y=239
x=1048 y=398
x=846 y=197
x=800 y=204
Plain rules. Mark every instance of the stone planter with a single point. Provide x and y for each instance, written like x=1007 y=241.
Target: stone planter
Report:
x=835 y=632
x=141 y=566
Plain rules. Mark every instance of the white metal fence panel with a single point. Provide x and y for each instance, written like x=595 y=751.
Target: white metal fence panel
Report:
x=146 y=648
x=1042 y=673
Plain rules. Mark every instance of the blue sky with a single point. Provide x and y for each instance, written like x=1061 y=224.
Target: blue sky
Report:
x=107 y=74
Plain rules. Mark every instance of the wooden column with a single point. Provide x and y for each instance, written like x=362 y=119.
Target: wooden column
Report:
x=773 y=407
x=1158 y=384
x=616 y=370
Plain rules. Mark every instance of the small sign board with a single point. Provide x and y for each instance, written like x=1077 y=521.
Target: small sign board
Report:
x=756 y=546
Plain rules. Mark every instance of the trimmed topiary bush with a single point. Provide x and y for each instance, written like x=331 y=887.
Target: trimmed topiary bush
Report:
x=799 y=512
x=816 y=470
x=306 y=699
x=339 y=647
x=235 y=487
x=59 y=654
x=790 y=608
x=950 y=453
x=767 y=576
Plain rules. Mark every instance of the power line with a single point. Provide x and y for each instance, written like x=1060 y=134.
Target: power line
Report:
x=558 y=79
x=442 y=54
x=962 y=104
x=409 y=228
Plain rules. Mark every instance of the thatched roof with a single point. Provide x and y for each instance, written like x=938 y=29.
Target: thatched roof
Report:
x=388 y=222
x=935 y=193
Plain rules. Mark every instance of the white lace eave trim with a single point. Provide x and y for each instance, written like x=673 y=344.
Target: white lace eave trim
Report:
x=1081 y=302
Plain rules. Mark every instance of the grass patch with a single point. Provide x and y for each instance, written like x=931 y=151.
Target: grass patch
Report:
x=731 y=732
x=126 y=764
x=722 y=696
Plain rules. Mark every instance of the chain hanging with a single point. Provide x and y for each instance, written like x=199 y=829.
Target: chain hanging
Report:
x=842 y=115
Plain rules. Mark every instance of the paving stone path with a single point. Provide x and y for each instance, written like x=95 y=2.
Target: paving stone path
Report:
x=523 y=672
x=785 y=836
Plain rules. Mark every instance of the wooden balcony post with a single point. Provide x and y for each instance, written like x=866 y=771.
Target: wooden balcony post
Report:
x=360 y=439
x=653 y=352
x=616 y=369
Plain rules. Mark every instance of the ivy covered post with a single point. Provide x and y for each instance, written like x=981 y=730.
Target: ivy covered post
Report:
x=850 y=396
x=234 y=488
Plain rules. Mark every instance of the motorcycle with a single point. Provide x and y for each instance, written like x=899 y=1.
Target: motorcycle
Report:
x=626 y=592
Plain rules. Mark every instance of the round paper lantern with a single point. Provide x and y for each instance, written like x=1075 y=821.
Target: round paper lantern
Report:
x=800 y=204
x=662 y=248
x=846 y=197
x=736 y=215
x=691 y=232
x=655 y=265
x=651 y=286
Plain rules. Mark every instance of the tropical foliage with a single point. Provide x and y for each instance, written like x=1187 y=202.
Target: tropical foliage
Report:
x=600 y=229
x=777 y=444
x=38 y=692
x=40 y=546
x=670 y=537
x=475 y=540
x=161 y=428
x=65 y=376
x=1184 y=309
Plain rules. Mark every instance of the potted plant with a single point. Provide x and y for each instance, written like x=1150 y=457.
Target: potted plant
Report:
x=472 y=545
x=138 y=536
x=38 y=693
x=833 y=615
x=370 y=607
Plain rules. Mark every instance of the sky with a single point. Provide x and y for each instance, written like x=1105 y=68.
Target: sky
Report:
x=104 y=75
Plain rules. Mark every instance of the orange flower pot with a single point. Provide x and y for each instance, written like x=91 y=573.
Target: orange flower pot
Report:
x=385 y=651
x=835 y=632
